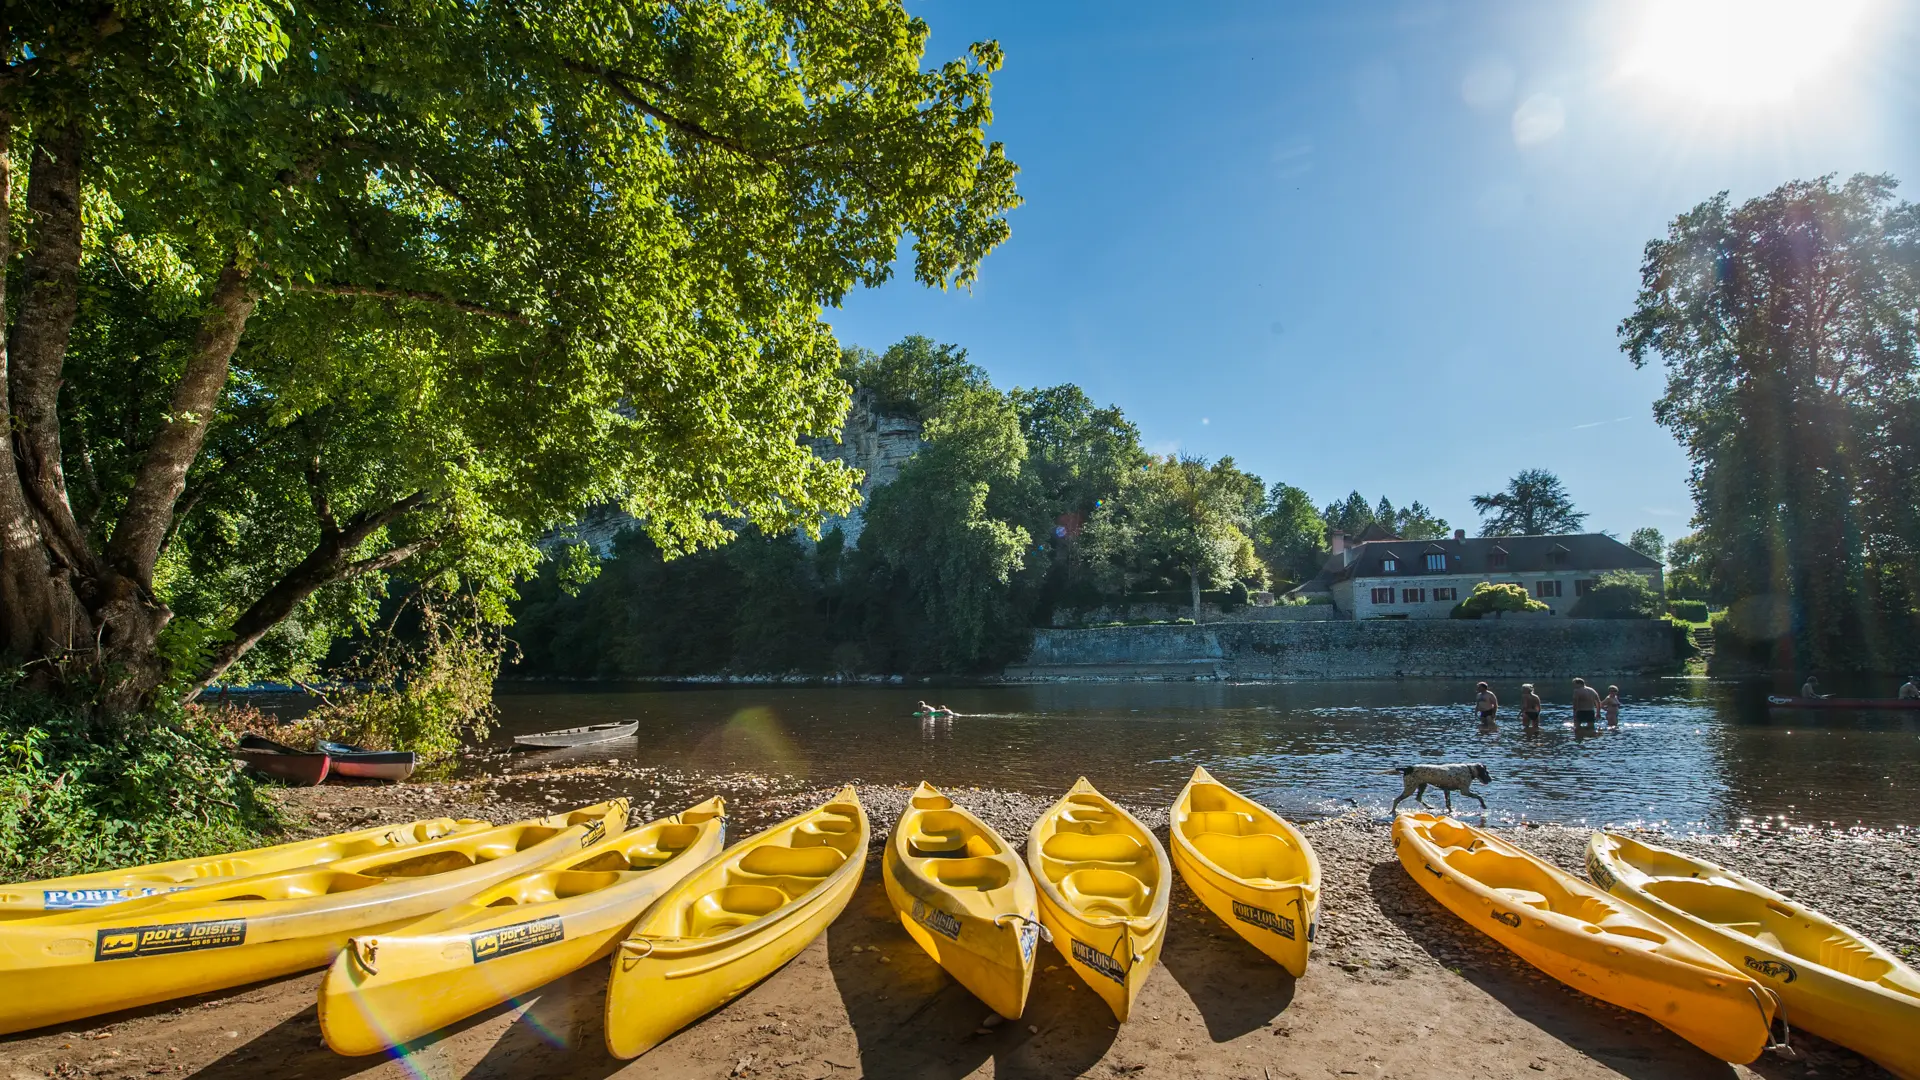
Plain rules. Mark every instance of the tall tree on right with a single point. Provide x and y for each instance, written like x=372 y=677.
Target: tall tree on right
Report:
x=1789 y=327
x=1535 y=503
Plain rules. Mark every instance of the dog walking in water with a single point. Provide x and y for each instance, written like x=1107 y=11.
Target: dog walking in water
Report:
x=1448 y=778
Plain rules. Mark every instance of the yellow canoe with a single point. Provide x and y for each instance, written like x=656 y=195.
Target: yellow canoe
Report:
x=1585 y=938
x=28 y=899
x=1831 y=980
x=734 y=921
x=1250 y=866
x=507 y=940
x=964 y=895
x=81 y=963
x=1103 y=881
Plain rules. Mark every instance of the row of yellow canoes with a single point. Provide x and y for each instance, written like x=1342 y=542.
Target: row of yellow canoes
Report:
x=432 y=921
x=1714 y=957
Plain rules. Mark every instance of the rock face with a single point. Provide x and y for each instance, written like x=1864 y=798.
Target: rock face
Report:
x=873 y=442
x=876 y=444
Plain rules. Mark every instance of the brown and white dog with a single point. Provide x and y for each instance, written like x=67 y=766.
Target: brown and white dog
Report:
x=1448 y=778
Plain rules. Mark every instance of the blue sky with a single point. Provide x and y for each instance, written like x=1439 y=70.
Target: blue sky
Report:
x=1387 y=246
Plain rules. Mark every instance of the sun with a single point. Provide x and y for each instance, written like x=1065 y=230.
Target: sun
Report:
x=1742 y=52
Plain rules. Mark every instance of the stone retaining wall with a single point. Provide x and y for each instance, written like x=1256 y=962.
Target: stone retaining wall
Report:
x=1209 y=613
x=1352 y=650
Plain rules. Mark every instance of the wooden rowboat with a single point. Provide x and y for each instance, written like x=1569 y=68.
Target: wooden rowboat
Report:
x=358 y=761
x=300 y=768
x=577 y=736
x=1841 y=703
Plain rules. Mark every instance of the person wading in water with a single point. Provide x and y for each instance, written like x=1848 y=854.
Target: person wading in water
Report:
x=1529 y=708
x=1612 y=706
x=1586 y=704
x=1487 y=703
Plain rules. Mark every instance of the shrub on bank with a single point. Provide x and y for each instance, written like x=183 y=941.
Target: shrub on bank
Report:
x=1693 y=611
x=1488 y=599
x=1619 y=594
x=81 y=791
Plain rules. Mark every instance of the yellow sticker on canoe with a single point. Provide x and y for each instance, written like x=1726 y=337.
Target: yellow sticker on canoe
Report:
x=519 y=937
x=165 y=939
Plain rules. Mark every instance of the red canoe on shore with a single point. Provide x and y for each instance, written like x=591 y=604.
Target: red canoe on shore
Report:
x=300 y=768
x=1841 y=703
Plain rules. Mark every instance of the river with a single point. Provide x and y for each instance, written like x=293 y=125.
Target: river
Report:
x=1689 y=756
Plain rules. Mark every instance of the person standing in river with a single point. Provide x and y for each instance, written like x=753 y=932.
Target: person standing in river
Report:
x=1611 y=705
x=1586 y=704
x=1487 y=703
x=1910 y=690
x=1529 y=708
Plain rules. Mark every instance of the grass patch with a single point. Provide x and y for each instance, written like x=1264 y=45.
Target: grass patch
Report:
x=81 y=791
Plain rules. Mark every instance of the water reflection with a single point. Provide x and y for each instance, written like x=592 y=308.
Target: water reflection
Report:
x=1688 y=754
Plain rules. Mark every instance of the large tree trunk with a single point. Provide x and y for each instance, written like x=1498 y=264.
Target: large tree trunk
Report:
x=1193 y=580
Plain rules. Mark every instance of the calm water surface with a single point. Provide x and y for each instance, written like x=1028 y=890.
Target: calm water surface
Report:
x=1689 y=755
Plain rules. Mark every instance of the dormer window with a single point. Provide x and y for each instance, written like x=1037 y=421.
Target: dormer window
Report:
x=1557 y=556
x=1389 y=565
x=1436 y=560
x=1497 y=559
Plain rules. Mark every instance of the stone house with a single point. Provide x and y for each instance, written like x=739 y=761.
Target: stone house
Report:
x=1380 y=575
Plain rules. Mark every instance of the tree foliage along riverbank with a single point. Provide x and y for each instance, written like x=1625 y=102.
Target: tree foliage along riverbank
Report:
x=1019 y=502
x=1789 y=327
x=307 y=294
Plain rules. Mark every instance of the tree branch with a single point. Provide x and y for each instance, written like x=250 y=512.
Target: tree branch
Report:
x=148 y=515
x=623 y=83
x=385 y=292
x=328 y=562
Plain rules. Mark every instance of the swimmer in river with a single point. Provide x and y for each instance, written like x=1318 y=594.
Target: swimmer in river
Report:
x=934 y=710
x=1611 y=706
x=1529 y=708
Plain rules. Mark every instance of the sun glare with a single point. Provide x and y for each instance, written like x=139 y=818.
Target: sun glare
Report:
x=1742 y=52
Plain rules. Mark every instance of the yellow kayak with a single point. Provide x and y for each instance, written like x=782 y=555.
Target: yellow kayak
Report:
x=1585 y=938
x=1831 y=981
x=504 y=941
x=81 y=963
x=734 y=921
x=1103 y=881
x=964 y=895
x=32 y=898
x=1250 y=866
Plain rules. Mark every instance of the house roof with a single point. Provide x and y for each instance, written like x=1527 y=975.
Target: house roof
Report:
x=1594 y=552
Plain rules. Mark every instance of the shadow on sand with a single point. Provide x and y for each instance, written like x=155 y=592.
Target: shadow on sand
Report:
x=1236 y=987
x=913 y=1020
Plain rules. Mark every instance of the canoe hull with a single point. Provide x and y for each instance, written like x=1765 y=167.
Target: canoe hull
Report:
x=972 y=908
x=719 y=932
x=1274 y=902
x=560 y=740
x=1637 y=963
x=1103 y=881
x=1856 y=1010
x=295 y=770
x=389 y=989
x=32 y=898
x=84 y=963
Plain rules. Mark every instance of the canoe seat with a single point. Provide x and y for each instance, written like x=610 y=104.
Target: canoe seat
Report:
x=774 y=861
x=1105 y=892
x=982 y=874
x=434 y=862
x=1093 y=847
x=1223 y=822
x=736 y=905
x=933 y=845
x=1261 y=855
x=1526 y=896
x=1214 y=798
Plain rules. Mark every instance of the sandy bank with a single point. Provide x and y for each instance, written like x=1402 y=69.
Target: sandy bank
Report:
x=1398 y=986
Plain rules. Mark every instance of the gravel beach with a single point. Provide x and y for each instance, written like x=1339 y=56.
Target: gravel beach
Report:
x=1397 y=987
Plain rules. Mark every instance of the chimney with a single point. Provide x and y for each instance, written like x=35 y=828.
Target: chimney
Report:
x=1337 y=543
x=1459 y=534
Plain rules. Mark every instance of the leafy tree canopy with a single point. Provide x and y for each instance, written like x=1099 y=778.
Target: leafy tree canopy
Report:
x=1535 y=503
x=1181 y=513
x=1648 y=541
x=1789 y=327
x=1619 y=594
x=1488 y=598
x=1414 y=522
x=317 y=293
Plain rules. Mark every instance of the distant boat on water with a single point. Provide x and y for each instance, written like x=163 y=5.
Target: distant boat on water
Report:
x=577 y=736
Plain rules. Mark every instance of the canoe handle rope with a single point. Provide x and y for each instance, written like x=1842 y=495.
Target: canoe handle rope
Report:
x=363 y=950
x=1783 y=1043
x=632 y=945
x=1045 y=934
